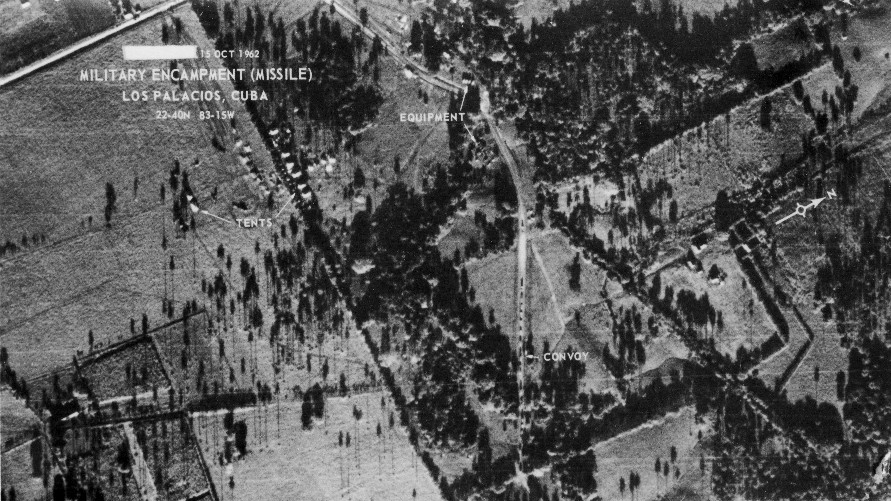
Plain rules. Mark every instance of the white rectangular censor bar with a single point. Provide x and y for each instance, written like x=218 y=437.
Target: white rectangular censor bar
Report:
x=156 y=52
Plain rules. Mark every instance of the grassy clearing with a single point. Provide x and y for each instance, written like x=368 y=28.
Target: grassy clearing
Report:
x=539 y=10
x=826 y=356
x=701 y=162
x=785 y=46
x=638 y=449
x=100 y=465
x=495 y=277
x=136 y=369
x=87 y=277
x=665 y=347
x=459 y=233
x=287 y=460
x=746 y=322
x=545 y=321
x=557 y=255
x=16 y=467
x=451 y=461
x=46 y=26
x=800 y=244
x=869 y=33
x=175 y=455
x=417 y=147
x=202 y=347
x=17 y=421
x=707 y=7
x=590 y=334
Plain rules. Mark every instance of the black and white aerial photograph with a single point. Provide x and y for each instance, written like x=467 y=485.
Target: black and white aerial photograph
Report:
x=445 y=250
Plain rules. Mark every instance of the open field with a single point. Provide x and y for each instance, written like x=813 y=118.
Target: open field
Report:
x=17 y=469
x=285 y=460
x=590 y=334
x=872 y=74
x=136 y=369
x=543 y=317
x=800 y=247
x=172 y=451
x=417 y=146
x=746 y=322
x=826 y=356
x=452 y=461
x=638 y=449
x=706 y=7
x=100 y=464
x=539 y=10
x=57 y=287
x=27 y=35
x=462 y=228
x=202 y=352
x=492 y=276
x=703 y=161
x=17 y=421
x=557 y=256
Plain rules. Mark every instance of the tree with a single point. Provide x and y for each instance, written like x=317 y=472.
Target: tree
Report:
x=123 y=457
x=306 y=412
x=764 y=116
x=241 y=437
x=360 y=238
x=745 y=61
x=111 y=198
x=416 y=36
x=726 y=212
x=58 y=488
x=840 y=385
x=575 y=273
x=798 y=90
x=838 y=64
x=714 y=272
x=622 y=486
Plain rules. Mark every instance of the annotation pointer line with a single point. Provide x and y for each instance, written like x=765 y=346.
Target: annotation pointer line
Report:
x=285 y=206
x=470 y=133
x=463 y=98
x=218 y=217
